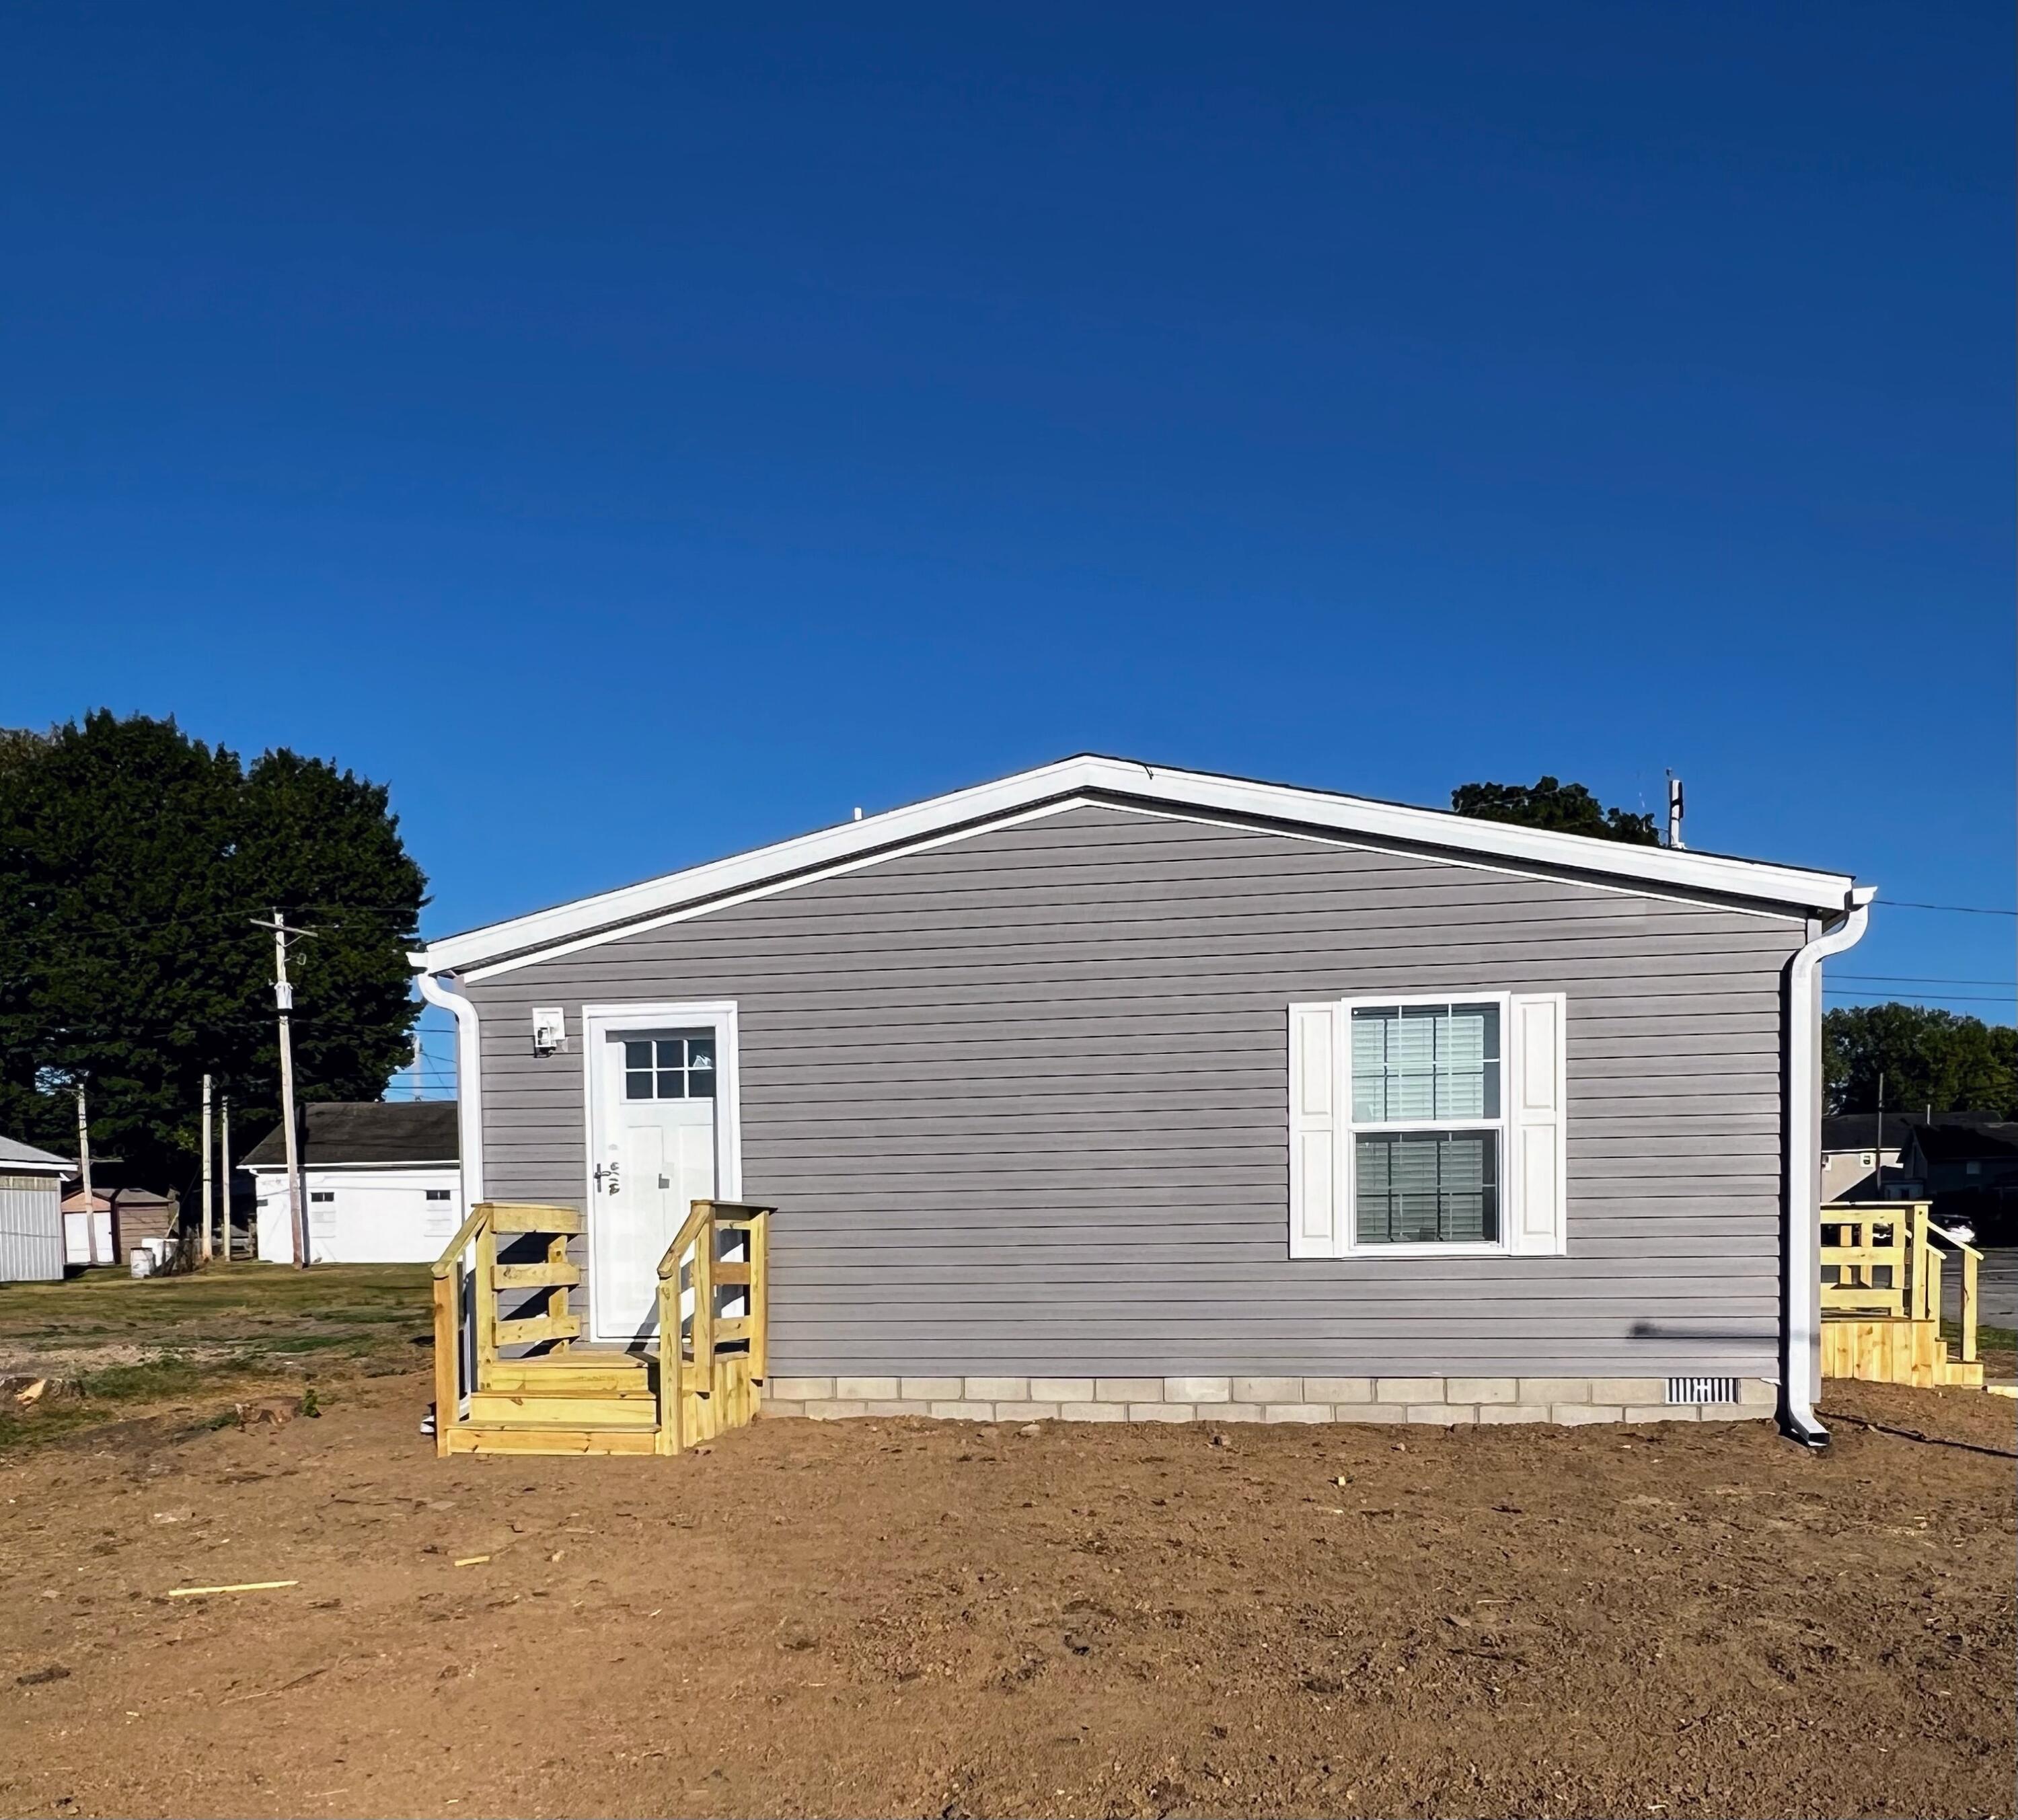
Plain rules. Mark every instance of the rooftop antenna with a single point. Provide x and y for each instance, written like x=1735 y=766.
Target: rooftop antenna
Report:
x=1675 y=812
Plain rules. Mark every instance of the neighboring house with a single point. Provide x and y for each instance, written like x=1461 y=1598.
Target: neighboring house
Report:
x=1958 y=1153
x=114 y=1222
x=382 y=1178
x=1966 y=1164
x=1854 y=1146
x=1110 y=1090
x=31 y=1237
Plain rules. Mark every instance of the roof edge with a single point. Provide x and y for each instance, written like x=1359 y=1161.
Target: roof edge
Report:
x=1087 y=775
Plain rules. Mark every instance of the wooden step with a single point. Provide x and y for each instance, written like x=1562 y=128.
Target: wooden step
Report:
x=571 y=1373
x=515 y=1437
x=574 y=1408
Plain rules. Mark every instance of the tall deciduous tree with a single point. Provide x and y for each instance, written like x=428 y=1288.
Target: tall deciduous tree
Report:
x=1548 y=803
x=132 y=858
x=1929 y=1058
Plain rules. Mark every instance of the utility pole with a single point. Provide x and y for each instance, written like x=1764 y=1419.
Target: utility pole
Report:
x=83 y=1169
x=414 y=1086
x=203 y=1216
x=284 y=1002
x=1878 y=1147
x=224 y=1174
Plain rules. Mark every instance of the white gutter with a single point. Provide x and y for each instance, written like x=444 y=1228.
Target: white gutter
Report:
x=469 y=1081
x=1801 y=1326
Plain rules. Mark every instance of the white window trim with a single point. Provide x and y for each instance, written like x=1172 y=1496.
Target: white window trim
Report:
x=1346 y=1214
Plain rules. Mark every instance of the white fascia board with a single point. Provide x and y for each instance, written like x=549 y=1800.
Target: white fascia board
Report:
x=1712 y=873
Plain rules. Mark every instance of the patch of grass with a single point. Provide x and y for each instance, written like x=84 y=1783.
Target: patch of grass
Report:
x=201 y=1336
x=103 y=1396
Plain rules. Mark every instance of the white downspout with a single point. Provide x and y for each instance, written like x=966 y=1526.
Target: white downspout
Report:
x=468 y=1082
x=1802 y=1291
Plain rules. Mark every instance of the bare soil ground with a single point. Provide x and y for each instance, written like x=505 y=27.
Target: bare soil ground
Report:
x=889 y=1618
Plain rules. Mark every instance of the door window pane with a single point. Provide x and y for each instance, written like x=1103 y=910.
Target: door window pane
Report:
x=669 y=1068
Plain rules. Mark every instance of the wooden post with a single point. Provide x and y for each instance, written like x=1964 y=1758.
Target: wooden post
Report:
x=1968 y=1309
x=487 y=1303
x=557 y=1297
x=669 y=1439
x=703 y=1310
x=758 y=1305
x=448 y=1348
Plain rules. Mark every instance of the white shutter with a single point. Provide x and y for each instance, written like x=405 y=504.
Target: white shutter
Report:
x=1535 y=1126
x=1317 y=1175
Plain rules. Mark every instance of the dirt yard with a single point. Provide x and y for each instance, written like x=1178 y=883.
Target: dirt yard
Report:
x=918 y=1618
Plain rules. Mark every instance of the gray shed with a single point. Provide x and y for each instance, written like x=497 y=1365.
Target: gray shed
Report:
x=1118 y=1091
x=31 y=1247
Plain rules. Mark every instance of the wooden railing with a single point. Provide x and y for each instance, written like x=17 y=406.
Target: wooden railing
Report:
x=710 y=1360
x=470 y=1327
x=1883 y=1259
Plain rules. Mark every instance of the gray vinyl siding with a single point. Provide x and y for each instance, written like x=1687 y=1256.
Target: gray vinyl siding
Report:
x=31 y=1249
x=1021 y=1101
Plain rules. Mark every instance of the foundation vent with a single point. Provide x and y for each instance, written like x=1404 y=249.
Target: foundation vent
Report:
x=1702 y=1390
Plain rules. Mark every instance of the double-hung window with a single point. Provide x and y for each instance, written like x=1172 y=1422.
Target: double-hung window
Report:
x=1425 y=1111
x=1427 y=1124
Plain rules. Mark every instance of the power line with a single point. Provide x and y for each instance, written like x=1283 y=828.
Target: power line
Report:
x=1925 y=997
x=1923 y=980
x=1959 y=909
x=187 y=919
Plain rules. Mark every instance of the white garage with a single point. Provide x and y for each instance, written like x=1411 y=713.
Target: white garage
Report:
x=382 y=1179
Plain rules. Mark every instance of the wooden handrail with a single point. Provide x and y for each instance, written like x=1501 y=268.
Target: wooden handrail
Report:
x=1914 y=1255
x=679 y=1374
x=488 y=1222
x=1965 y=1313
x=478 y=1216
x=1948 y=1238
x=703 y=1212
x=699 y=1216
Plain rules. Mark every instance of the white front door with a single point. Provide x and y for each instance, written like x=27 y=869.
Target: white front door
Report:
x=655 y=1145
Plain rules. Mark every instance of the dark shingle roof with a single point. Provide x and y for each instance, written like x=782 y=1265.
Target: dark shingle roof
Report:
x=1854 y=1131
x=1954 y=1142
x=378 y=1131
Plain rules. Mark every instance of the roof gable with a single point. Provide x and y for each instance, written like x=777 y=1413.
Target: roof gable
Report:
x=1093 y=779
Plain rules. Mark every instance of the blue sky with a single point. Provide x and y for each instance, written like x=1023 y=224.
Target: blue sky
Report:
x=635 y=436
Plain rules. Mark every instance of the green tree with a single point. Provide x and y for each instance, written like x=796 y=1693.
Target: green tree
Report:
x=1929 y=1058
x=1548 y=803
x=132 y=859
